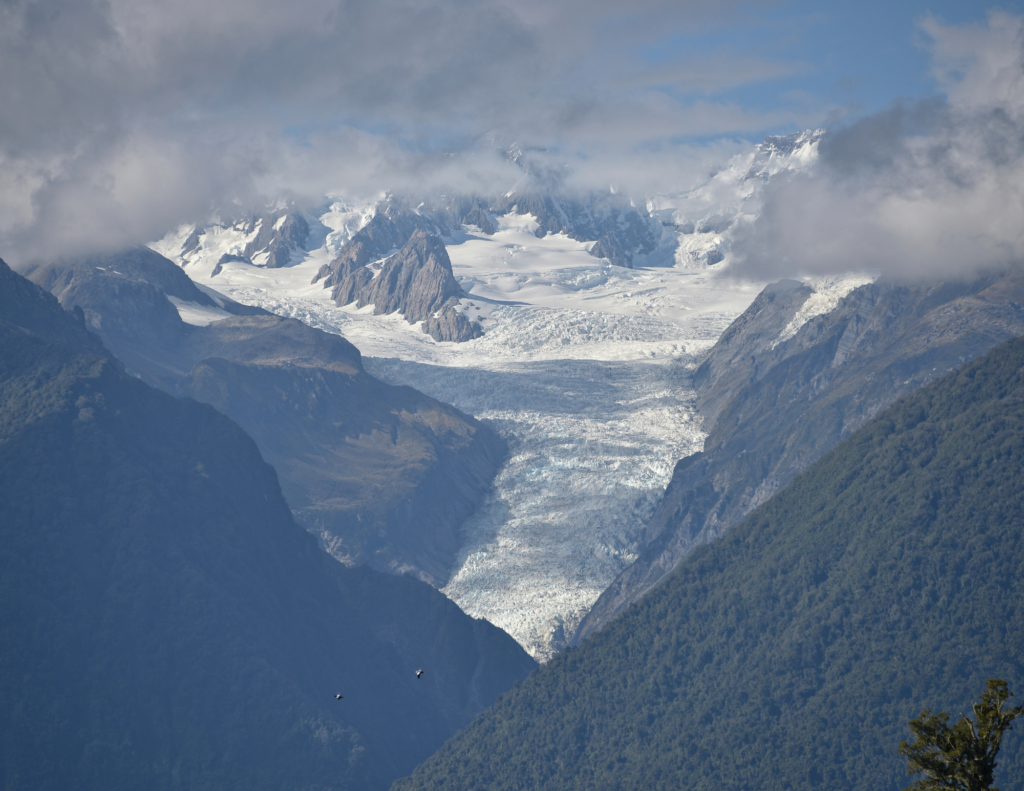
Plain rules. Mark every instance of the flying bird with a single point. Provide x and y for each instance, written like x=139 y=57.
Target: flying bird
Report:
x=338 y=697
x=419 y=673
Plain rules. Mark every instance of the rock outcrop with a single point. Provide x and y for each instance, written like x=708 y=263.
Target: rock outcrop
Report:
x=774 y=405
x=450 y=324
x=390 y=228
x=418 y=283
x=280 y=234
x=620 y=229
x=382 y=474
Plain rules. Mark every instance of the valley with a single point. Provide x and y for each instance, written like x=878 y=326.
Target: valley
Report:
x=431 y=396
x=584 y=369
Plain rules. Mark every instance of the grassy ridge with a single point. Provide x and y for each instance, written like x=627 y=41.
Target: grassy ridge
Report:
x=791 y=653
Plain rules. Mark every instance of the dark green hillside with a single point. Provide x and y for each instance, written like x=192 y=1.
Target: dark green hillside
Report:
x=165 y=624
x=26 y=307
x=791 y=653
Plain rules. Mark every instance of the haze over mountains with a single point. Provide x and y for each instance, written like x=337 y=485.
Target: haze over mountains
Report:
x=167 y=623
x=539 y=554
x=542 y=550
x=383 y=475
x=374 y=353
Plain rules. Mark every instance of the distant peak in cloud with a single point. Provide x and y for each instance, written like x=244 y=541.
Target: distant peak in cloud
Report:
x=922 y=189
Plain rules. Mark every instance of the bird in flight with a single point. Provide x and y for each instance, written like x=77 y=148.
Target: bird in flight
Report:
x=419 y=673
x=338 y=697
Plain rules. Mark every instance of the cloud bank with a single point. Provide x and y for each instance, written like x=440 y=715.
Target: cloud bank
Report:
x=122 y=118
x=932 y=188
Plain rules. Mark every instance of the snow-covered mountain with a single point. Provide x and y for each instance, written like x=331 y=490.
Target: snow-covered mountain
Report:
x=702 y=223
x=583 y=367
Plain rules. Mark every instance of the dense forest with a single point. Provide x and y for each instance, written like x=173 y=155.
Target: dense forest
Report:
x=791 y=653
x=164 y=623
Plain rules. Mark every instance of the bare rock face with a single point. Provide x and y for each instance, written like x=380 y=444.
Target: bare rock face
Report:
x=478 y=217
x=383 y=475
x=451 y=325
x=744 y=349
x=387 y=231
x=418 y=283
x=281 y=233
x=620 y=229
x=775 y=404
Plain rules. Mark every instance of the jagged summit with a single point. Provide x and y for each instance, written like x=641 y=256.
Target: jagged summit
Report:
x=702 y=223
x=780 y=153
x=418 y=283
x=694 y=229
x=271 y=237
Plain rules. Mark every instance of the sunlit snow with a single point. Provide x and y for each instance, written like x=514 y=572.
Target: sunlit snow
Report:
x=584 y=368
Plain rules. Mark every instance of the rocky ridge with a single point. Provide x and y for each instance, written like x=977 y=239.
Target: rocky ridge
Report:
x=775 y=402
x=382 y=474
x=418 y=283
x=620 y=231
x=273 y=238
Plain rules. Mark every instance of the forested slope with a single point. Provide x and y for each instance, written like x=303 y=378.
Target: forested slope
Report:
x=791 y=653
x=773 y=406
x=164 y=623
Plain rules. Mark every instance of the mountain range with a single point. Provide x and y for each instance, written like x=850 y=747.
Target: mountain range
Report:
x=831 y=365
x=791 y=652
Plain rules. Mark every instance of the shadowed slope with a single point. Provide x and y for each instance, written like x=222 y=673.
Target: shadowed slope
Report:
x=165 y=624
x=383 y=475
x=774 y=405
x=791 y=653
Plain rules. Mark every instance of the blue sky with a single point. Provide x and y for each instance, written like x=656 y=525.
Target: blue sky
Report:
x=837 y=61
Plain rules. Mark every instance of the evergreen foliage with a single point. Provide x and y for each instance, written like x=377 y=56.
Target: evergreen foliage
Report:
x=164 y=623
x=791 y=653
x=962 y=757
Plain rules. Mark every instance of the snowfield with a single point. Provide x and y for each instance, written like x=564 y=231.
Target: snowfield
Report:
x=584 y=368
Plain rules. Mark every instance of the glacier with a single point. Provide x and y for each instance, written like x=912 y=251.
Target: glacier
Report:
x=584 y=368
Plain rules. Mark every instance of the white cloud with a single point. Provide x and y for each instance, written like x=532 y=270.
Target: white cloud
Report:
x=118 y=117
x=933 y=188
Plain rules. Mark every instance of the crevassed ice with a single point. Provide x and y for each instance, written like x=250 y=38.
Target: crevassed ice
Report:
x=584 y=369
